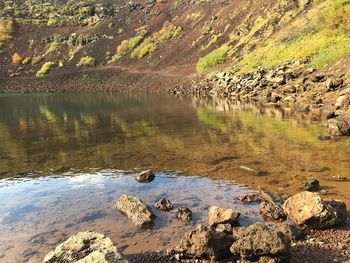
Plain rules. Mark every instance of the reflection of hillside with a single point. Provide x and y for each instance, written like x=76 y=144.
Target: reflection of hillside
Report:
x=212 y=138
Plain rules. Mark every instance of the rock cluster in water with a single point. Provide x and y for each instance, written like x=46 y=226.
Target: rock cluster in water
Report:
x=221 y=238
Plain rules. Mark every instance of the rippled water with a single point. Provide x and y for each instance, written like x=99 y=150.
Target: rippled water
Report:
x=65 y=158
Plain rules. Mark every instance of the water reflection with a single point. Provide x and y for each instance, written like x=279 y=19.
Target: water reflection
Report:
x=52 y=133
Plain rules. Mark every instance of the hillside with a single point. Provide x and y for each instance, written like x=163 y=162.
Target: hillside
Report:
x=177 y=40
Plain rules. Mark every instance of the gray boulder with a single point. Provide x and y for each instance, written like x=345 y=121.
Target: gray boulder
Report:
x=139 y=213
x=203 y=243
x=258 y=240
x=86 y=247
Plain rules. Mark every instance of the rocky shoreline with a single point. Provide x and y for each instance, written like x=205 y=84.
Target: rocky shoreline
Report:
x=296 y=86
x=317 y=230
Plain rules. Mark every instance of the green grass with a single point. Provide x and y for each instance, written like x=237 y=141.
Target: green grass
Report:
x=150 y=44
x=146 y=47
x=87 y=62
x=52 y=47
x=45 y=68
x=216 y=57
x=321 y=35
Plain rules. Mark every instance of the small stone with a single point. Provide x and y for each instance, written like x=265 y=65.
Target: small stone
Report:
x=312 y=185
x=164 y=204
x=184 y=213
x=217 y=215
x=145 y=177
x=139 y=213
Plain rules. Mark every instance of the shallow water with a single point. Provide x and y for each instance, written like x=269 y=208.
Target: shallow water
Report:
x=65 y=158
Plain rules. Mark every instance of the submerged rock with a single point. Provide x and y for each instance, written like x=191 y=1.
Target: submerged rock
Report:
x=139 y=213
x=86 y=247
x=271 y=206
x=258 y=240
x=312 y=185
x=217 y=215
x=248 y=198
x=164 y=204
x=184 y=213
x=307 y=209
x=145 y=177
x=203 y=243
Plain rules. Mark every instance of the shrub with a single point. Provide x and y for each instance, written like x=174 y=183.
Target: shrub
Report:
x=52 y=47
x=146 y=47
x=87 y=61
x=168 y=31
x=16 y=58
x=45 y=68
x=36 y=59
x=52 y=22
x=6 y=28
x=216 y=57
x=26 y=60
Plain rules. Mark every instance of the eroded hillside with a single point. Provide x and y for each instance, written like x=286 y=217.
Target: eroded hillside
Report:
x=173 y=38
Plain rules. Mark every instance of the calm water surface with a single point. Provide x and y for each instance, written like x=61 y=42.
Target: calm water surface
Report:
x=65 y=158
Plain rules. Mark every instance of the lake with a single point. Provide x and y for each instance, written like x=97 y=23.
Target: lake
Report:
x=65 y=158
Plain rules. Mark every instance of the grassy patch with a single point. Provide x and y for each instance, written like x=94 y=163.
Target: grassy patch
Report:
x=149 y=44
x=52 y=47
x=216 y=57
x=6 y=28
x=45 y=68
x=321 y=35
x=87 y=62
x=127 y=46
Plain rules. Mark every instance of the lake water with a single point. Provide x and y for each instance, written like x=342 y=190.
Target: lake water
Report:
x=65 y=158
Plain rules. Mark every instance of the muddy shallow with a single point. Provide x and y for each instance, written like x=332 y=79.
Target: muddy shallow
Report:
x=65 y=158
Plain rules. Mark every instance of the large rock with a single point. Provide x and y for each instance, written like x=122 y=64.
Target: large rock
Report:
x=258 y=240
x=86 y=247
x=139 y=213
x=217 y=215
x=203 y=243
x=271 y=206
x=307 y=209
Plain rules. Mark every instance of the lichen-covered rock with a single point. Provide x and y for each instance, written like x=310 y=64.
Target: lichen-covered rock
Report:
x=307 y=209
x=258 y=240
x=139 y=213
x=203 y=243
x=217 y=215
x=145 y=177
x=85 y=247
